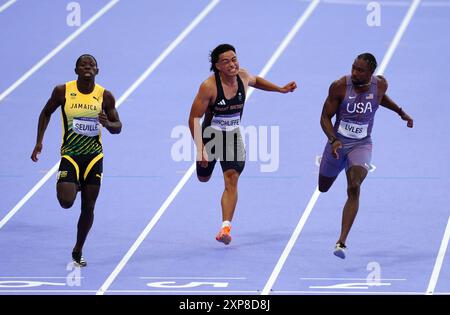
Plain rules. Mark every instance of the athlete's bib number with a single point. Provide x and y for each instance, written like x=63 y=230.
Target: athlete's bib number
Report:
x=86 y=126
x=226 y=123
x=351 y=130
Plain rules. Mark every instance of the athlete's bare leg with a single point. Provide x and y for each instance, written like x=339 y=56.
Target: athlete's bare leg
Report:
x=89 y=194
x=230 y=194
x=355 y=177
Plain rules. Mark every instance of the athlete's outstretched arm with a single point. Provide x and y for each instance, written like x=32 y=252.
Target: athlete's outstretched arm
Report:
x=55 y=100
x=109 y=117
x=198 y=109
x=262 y=84
x=387 y=102
x=330 y=108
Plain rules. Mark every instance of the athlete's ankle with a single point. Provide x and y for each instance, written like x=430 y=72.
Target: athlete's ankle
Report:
x=226 y=223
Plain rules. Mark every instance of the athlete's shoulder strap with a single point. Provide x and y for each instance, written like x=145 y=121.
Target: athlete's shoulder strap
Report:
x=220 y=93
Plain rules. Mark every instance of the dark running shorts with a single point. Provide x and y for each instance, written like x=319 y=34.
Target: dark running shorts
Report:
x=81 y=169
x=229 y=150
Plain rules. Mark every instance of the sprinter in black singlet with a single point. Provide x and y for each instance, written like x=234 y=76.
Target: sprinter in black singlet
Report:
x=85 y=107
x=221 y=100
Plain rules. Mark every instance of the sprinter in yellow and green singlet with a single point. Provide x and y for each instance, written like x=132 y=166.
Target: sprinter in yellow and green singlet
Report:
x=85 y=108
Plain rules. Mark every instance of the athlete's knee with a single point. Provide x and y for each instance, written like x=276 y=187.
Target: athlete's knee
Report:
x=325 y=183
x=65 y=202
x=66 y=194
x=353 y=189
x=323 y=188
x=204 y=179
x=231 y=179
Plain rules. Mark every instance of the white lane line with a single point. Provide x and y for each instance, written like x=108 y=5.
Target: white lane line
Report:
x=439 y=260
x=33 y=190
x=7 y=5
x=433 y=4
x=40 y=277
x=315 y=196
x=287 y=250
x=145 y=232
x=197 y=278
x=131 y=291
x=350 y=279
x=289 y=37
x=170 y=48
x=398 y=36
x=185 y=291
x=46 y=291
x=127 y=93
x=390 y=3
x=191 y=170
x=365 y=3
x=362 y=2
x=57 y=49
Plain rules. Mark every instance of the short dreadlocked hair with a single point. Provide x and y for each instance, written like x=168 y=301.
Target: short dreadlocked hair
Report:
x=370 y=59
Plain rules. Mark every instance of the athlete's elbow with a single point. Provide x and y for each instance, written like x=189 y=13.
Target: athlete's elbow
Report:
x=194 y=121
x=322 y=122
x=45 y=114
x=324 y=119
x=117 y=129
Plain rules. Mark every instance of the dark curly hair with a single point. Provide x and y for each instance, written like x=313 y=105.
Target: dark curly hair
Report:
x=214 y=55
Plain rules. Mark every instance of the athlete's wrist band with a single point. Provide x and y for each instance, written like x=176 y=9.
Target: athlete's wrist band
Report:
x=332 y=140
x=400 y=111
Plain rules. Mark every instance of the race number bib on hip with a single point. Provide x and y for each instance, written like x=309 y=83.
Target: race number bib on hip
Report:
x=351 y=130
x=86 y=126
x=226 y=123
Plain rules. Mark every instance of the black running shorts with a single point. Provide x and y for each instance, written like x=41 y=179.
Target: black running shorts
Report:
x=81 y=169
x=225 y=146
